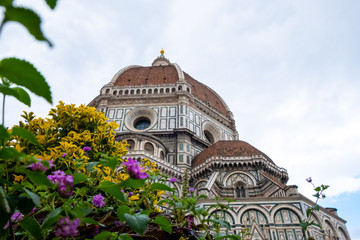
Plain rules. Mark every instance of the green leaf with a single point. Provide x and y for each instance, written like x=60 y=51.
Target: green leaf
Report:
x=79 y=177
x=222 y=223
x=9 y=153
x=125 y=236
x=34 y=197
x=4 y=134
x=111 y=162
x=25 y=205
x=38 y=178
x=5 y=211
x=103 y=235
x=6 y=3
x=51 y=3
x=113 y=189
x=17 y=92
x=161 y=186
x=133 y=183
x=163 y=223
x=121 y=211
x=316 y=208
x=90 y=165
x=25 y=134
x=25 y=74
x=32 y=226
x=29 y=19
x=51 y=218
x=92 y=221
x=138 y=222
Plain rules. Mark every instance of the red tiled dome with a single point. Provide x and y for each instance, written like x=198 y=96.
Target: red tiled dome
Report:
x=227 y=149
x=168 y=74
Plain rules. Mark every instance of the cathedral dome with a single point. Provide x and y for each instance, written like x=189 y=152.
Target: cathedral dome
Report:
x=164 y=73
x=228 y=149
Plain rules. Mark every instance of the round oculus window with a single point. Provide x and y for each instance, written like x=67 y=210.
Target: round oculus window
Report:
x=140 y=119
x=142 y=123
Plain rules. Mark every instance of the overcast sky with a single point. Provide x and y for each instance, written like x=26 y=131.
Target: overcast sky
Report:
x=289 y=71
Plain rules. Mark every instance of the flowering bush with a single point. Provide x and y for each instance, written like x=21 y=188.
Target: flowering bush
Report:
x=64 y=176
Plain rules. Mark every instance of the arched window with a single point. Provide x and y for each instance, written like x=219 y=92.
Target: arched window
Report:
x=126 y=92
x=132 y=91
x=180 y=88
x=149 y=148
x=107 y=91
x=131 y=145
x=155 y=91
x=144 y=91
x=162 y=155
x=121 y=92
x=138 y=91
x=150 y=91
x=114 y=92
x=167 y=90
x=209 y=137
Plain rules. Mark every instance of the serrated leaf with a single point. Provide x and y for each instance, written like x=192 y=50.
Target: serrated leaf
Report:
x=34 y=197
x=79 y=177
x=29 y=19
x=138 y=222
x=160 y=186
x=25 y=74
x=103 y=235
x=25 y=134
x=133 y=183
x=51 y=3
x=51 y=218
x=121 y=211
x=163 y=223
x=17 y=92
x=32 y=226
x=113 y=189
x=38 y=178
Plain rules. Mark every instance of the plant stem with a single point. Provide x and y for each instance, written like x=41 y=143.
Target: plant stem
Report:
x=3 y=114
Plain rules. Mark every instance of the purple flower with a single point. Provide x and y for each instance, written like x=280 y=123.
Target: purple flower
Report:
x=191 y=189
x=172 y=180
x=64 y=182
x=15 y=218
x=122 y=190
x=190 y=220
x=135 y=170
x=309 y=179
x=64 y=155
x=98 y=201
x=86 y=148
x=38 y=166
x=130 y=194
x=67 y=228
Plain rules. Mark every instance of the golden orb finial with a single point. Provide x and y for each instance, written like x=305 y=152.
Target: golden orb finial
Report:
x=162 y=51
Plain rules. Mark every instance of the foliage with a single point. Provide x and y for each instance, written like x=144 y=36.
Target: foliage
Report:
x=319 y=194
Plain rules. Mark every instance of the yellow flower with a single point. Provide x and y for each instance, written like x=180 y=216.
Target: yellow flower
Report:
x=18 y=178
x=134 y=197
x=160 y=193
